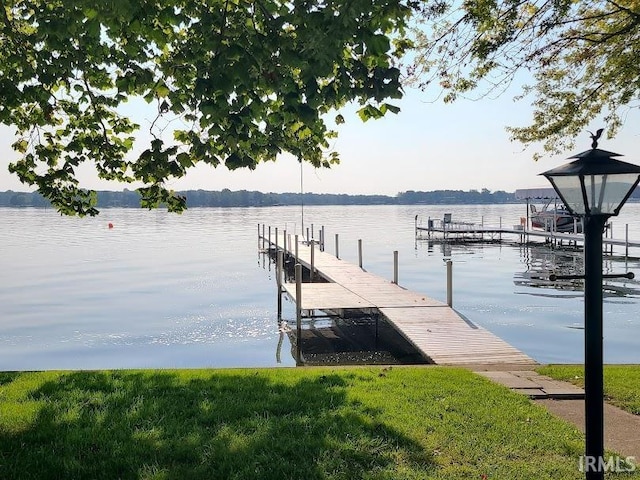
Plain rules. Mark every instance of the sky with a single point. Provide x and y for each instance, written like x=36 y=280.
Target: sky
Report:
x=427 y=146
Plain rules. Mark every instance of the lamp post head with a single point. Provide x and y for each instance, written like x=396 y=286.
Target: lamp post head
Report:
x=595 y=183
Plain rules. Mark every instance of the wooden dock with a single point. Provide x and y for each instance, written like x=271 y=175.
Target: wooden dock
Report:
x=437 y=331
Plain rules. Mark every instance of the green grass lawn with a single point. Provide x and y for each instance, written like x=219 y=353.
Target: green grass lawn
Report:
x=306 y=423
x=621 y=382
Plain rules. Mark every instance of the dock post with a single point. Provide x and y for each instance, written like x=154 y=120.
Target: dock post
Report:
x=263 y=236
x=258 y=236
x=360 y=253
x=269 y=241
x=337 y=250
x=296 y=248
x=279 y=282
x=284 y=241
x=308 y=238
x=395 y=267
x=313 y=254
x=500 y=234
x=276 y=240
x=626 y=240
x=450 y=283
x=298 y=313
x=322 y=239
x=312 y=232
x=611 y=237
x=289 y=243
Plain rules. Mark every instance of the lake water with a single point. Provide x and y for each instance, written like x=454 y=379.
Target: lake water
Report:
x=164 y=290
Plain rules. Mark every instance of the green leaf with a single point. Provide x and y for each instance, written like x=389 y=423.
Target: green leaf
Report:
x=378 y=44
x=388 y=107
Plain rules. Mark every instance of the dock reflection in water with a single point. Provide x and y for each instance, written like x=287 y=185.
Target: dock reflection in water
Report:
x=541 y=261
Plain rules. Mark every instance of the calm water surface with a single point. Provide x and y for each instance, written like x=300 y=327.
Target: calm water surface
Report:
x=191 y=290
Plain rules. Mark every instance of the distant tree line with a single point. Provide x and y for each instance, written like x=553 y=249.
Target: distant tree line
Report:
x=244 y=198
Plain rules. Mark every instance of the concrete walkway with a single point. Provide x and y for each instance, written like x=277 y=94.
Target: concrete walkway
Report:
x=622 y=429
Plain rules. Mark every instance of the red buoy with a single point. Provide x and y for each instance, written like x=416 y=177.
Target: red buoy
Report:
x=110 y=225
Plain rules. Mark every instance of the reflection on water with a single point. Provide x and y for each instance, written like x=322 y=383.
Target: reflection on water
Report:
x=540 y=261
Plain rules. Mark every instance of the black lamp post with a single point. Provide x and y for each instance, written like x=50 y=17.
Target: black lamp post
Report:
x=594 y=187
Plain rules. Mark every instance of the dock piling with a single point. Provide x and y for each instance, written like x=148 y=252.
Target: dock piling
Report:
x=269 y=242
x=395 y=267
x=296 y=248
x=626 y=240
x=450 y=283
x=284 y=241
x=276 y=242
x=298 y=313
x=337 y=250
x=313 y=262
x=322 y=239
x=360 y=253
x=279 y=263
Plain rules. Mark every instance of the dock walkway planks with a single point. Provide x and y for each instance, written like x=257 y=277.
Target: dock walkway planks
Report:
x=435 y=329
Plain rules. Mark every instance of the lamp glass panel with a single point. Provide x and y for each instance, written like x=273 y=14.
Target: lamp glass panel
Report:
x=606 y=192
x=570 y=190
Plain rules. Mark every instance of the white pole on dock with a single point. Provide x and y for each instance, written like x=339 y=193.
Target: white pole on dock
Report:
x=296 y=247
x=337 y=250
x=298 y=312
x=269 y=242
x=322 y=239
x=312 y=232
x=395 y=267
x=289 y=243
x=258 y=236
x=360 y=253
x=611 y=237
x=307 y=234
x=284 y=242
x=450 y=283
x=276 y=239
x=263 y=236
x=279 y=282
x=626 y=240
x=313 y=255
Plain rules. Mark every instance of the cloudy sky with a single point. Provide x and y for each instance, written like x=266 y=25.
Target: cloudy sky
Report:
x=427 y=146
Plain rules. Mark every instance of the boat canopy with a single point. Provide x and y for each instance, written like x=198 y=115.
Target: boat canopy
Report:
x=524 y=193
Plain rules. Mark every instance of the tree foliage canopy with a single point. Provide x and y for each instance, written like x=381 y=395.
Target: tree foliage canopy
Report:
x=237 y=81
x=583 y=56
